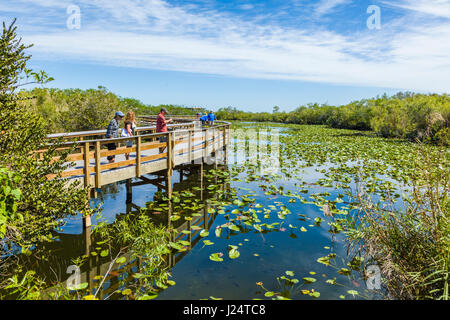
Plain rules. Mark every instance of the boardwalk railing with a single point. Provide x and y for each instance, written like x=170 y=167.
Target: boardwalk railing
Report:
x=149 y=152
x=177 y=118
x=90 y=135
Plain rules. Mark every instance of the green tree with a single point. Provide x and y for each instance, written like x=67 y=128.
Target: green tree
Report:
x=90 y=110
x=38 y=203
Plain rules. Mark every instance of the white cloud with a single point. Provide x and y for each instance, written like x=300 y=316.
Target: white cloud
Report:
x=247 y=6
x=440 y=8
x=161 y=36
x=326 y=6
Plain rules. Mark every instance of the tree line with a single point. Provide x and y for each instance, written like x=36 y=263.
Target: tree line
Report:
x=70 y=110
x=404 y=115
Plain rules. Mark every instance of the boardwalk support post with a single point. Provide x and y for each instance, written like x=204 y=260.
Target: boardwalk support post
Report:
x=87 y=182
x=129 y=192
x=190 y=146
x=98 y=171
x=215 y=148
x=138 y=157
x=224 y=146
x=170 y=145
x=205 y=153
x=87 y=222
x=86 y=168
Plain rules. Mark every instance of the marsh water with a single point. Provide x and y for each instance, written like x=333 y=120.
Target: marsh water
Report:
x=286 y=237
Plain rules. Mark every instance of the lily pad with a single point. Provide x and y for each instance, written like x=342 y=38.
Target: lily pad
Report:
x=216 y=257
x=204 y=233
x=309 y=280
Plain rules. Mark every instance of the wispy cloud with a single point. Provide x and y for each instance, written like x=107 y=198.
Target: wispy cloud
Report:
x=246 y=6
x=326 y=6
x=440 y=8
x=155 y=34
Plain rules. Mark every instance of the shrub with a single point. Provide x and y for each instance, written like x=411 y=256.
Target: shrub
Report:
x=30 y=218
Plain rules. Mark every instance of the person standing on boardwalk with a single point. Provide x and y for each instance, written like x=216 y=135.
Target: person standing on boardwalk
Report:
x=131 y=119
x=161 y=126
x=211 y=118
x=129 y=130
x=113 y=132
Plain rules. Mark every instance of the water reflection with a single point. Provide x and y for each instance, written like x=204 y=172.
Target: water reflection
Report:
x=52 y=261
x=282 y=242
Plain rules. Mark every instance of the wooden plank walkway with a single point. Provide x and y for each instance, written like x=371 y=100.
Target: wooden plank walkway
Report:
x=185 y=143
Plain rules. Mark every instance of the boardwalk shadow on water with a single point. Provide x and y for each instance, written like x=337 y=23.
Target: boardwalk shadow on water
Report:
x=55 y=261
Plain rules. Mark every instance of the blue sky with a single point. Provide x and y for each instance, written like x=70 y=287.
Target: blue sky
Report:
x=248 y=54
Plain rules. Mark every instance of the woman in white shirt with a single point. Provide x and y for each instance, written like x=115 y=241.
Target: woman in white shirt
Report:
x=129 y=130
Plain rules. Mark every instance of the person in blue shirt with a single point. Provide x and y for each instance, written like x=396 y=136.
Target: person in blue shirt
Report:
x=203 y=119
x=211 y=118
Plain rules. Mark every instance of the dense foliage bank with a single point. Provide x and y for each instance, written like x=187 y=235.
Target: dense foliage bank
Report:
x=405 y=115
x=72 y=110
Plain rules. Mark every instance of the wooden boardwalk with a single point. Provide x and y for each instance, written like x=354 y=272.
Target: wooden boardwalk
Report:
x=186 y=143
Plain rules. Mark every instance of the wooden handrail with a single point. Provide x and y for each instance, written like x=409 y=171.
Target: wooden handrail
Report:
x=175 y=117
x=221 y=124
x=79 y=134
x=219 y=132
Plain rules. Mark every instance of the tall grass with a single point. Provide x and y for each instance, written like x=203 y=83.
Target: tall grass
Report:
x=410 y=245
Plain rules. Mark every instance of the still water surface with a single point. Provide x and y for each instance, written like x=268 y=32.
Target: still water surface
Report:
x=264 y=256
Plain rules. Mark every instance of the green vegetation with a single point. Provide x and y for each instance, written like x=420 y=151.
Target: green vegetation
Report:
x=412 y=243
x=9 y=197
x=72 y=110
x=389 y=197
x=405 y=115
x=134 y=239
x=140 y=240
x=146 y=244
x=31 y=205
x=320 y=167
x=393 y=203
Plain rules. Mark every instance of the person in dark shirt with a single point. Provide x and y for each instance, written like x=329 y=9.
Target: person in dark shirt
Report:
x=161 y=126
x=113 y=132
